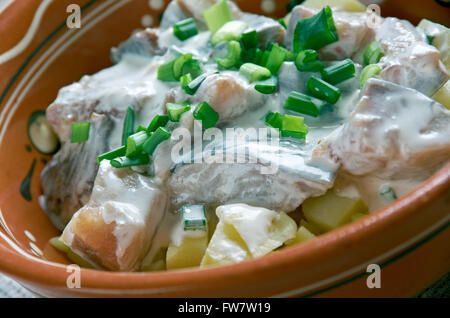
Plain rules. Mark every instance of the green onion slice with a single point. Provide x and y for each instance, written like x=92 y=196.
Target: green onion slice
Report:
x=194 y=217
x=193 y=86
x=185 y=80
x=339 y=72
x=158 y=121
x=128 y=125
x=179 y=66
x=113 y=154
x=185 y=29
x=268 y=86
x=80 y=132
x=276 y=58
x=293 y=126
x=123 y=162
x=274 y=120
x=155 y=139
x=135 y=143
x=369 y=71
x=249 y=39
x=315 y=32
x=217 y=15
x=373 y=53
x=175 y=110
x=233 y=55
x=304 y=104
x=307 y=61
x=254 y=72
x=206 y=114
x=322 y=90
x=231 y=31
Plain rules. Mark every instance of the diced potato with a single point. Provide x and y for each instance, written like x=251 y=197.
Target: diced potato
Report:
x=281 y=230
x=441 y=39
x=157 y=263
x=59 y=245
x=303 y=235
x=331 y=211
x=442 y=96
x=340 y=5
x=226 y=247
x=311 y=227
x=357 y=216
x=189 y=253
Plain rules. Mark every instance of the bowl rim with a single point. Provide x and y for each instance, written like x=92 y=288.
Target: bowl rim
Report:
x=30 y=269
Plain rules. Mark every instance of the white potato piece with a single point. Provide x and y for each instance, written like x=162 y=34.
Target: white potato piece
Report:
x=246 y=232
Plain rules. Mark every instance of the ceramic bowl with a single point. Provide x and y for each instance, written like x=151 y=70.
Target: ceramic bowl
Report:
x=409 y=239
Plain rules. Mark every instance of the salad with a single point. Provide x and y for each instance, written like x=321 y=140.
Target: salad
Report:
x=223 y=136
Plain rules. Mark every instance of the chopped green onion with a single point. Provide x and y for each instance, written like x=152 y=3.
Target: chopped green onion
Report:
x=193 y=86
x=179 y=64
x=217 y=15
x=289 y=56
x=128 y=125
x=274 y=120
x=368 y=72
x=80 y=132
x=141 y=128
x=194 y=218
x=373 y=53
x=321 y=89
x=430 y=39
x=249 y=39
x=247 y=56
x=233 y=55
x=276 y=58
x=155 y=139
x=264 y=58
x=254 y=72
x=258 y=57
x=267 y=86
x=192 y=67
x=315 y=32
x=113 y=154
x=174 y=69
x=307 y=61
x=339 y=72
x=206 y=114
x=165 y=72
x=123 y=162
x=282 y=22
x=158 y=121
x=176 y=110
x=135 y=143
x=185 y=29
x=231 y=31
x=304 y=104
x=293 y=126
x=185 y=80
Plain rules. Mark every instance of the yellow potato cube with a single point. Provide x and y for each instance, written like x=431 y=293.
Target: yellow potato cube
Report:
x=303 y=235
x=226 y=247
x=441 y=38
x=331 y=211
x=340 y=5
x=442 y=96
x=189 y=253
x=357 y=216
x=311 y=227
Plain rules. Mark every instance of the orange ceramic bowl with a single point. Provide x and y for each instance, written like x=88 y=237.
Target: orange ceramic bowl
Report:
x=409 y=239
